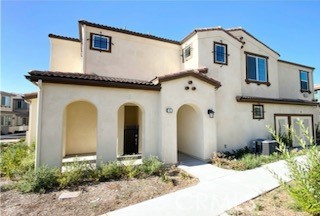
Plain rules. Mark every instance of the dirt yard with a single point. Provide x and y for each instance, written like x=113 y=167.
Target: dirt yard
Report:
x=95 y=199
x=276 y=202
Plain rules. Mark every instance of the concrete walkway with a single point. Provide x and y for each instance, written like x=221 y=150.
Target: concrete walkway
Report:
x=218 y=191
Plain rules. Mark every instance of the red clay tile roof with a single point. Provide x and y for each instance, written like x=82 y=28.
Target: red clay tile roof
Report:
x=275 y=100
x=198 y=73
x=219 y=28
x=28 y=96
x=84 y=22
x=63 y=37
x=90 y=79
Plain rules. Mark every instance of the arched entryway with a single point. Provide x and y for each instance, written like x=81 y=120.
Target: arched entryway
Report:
x=129 y=130
x=80 y=129
x=190 y=131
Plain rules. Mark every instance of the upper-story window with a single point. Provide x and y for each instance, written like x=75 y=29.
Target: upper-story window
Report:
x=187 y=53
x=304 y=81
x=257 y=69
x=5 y=101
x=220 y=53
x=100 y=42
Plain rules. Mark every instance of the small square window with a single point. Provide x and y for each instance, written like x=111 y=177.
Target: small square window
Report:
x=100 y=42
x=258 y=112
x=187 y=53
x=220 y=53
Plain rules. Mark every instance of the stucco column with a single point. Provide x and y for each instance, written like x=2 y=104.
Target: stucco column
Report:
x=169 y=137
x=107 y=134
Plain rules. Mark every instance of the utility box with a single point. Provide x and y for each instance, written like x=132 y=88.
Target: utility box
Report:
x=269 y=147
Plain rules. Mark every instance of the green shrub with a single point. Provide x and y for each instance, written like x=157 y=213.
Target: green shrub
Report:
x=41 y=180
x=305 y=186
x=112 y=170
x=76 y=174
x=243 y=161
x=16 y=159
x=151 y=166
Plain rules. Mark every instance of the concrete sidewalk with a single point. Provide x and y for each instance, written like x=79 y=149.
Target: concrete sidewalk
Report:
x=218 y=191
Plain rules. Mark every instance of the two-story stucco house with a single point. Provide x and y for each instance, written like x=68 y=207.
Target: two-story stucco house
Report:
x=113 y=92
x=14 y=113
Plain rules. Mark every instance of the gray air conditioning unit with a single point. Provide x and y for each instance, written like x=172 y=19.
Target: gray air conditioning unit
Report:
x=269 y=147
x=255 y=146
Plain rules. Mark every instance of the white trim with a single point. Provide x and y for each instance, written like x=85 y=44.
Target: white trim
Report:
x=100 y=36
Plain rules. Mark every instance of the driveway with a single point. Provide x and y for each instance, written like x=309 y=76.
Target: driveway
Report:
x=218 y=191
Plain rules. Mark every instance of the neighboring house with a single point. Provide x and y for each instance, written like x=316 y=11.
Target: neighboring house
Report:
x=14 y=113
x=317 y=92
x=115 y=92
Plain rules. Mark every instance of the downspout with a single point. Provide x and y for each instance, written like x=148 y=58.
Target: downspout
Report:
x=39 y=126
x=84 y=47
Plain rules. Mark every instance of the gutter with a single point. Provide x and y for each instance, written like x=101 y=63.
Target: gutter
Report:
x=39 y=120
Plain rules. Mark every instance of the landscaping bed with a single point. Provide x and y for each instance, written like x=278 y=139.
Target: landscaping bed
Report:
x=276 y=202
x=113 y=185
x=95 y=198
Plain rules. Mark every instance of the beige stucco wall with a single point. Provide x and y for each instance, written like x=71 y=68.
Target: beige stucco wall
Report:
x=33 y=114
x=51 y=143
x=81 y=128
x=173 y=95
x=193 y=61
x=238 y=132
x=255 y=47
x=65 y=55
x=289 y=81
x=131 y=56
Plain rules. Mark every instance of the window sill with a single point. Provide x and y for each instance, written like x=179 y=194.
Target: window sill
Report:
x=258 y=82
x=221 y=63
x=305 y=91
x=101 y=50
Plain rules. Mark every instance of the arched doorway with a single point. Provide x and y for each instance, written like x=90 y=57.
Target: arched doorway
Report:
x=129 y=130
x=190 y=131
x=80 y=129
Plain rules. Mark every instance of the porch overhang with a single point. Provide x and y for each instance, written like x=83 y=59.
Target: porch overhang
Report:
x=288 y=101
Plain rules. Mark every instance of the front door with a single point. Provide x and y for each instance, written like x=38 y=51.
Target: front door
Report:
x=131 y=140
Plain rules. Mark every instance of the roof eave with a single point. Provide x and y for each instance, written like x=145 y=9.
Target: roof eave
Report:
x=276 y=101
x=99 y=83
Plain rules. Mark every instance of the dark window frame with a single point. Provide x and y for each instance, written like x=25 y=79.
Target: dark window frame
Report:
x=225 y=54
x=247 y=80
x=99 y=49
x=184 y=58
x=308 y=82
x=254 y=116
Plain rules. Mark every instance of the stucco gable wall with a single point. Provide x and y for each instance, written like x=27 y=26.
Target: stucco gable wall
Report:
x=289 y=81
x=132 y=56
x=253 y=46
x=65 y=56
x=173 y=95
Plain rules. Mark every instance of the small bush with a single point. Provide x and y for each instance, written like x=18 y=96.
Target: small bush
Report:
x=16 y=159
x=76 y=174
x=42 y=180
x=305 y=186
x=151 y=166
x=111 y=170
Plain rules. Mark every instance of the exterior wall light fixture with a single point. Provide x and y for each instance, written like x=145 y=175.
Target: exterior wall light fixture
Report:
x=210 y=113
x=169 y=110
